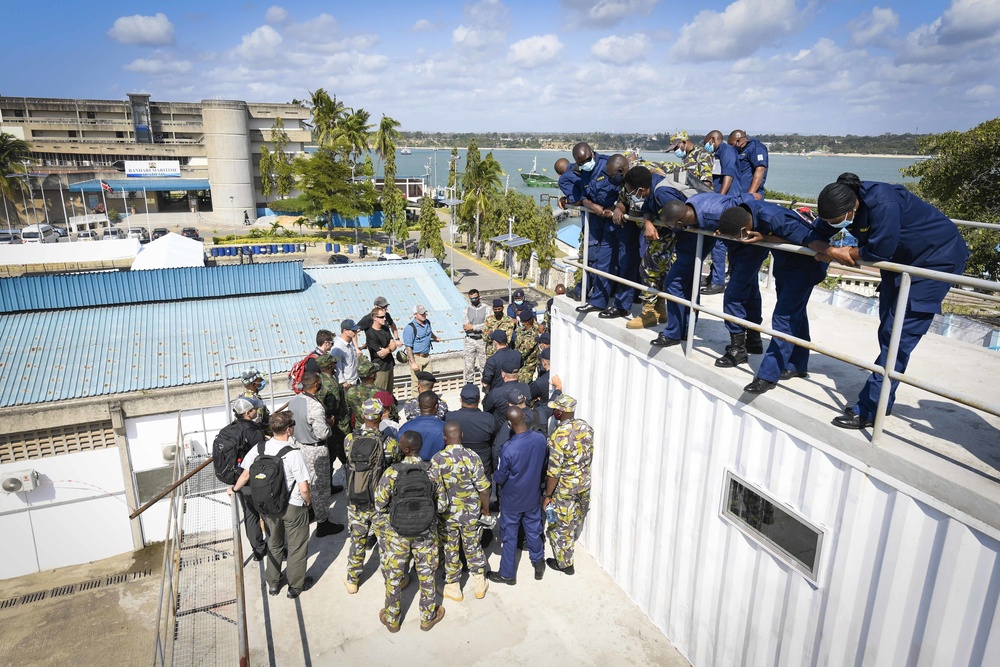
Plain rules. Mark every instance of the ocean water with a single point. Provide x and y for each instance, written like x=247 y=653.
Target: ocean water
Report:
x=796 y=174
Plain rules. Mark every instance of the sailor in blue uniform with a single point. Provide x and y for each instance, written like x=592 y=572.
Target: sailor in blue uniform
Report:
x=795 y=276
x=569 y=184
x=700 y=210
x=893 y=225
x=726 y=180
x=751 y=162
x=618 y=249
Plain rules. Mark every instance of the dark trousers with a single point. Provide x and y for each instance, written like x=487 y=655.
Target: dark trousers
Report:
x=790 y=316
x=251 y=522
x=719 y=251
x=618 y=254
x=678 y=282
x=509 y=524
x=742 y=296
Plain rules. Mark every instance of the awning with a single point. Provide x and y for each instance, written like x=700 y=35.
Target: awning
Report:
x=138 y=184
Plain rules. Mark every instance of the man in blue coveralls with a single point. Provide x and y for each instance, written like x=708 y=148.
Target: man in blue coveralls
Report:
x=701 y=210
x=751 y=161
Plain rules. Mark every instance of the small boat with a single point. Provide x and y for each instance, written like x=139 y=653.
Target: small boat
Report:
x=533 y=179
x=405 y=151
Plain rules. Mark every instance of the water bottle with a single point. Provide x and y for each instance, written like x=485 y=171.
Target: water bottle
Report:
x=550 y=513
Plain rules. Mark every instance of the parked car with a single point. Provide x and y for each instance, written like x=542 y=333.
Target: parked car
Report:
x=39 y=234
x=191 y=233
x=112 y=233
x=339 y=259
x=9 y=237
x=86 y=235
x=388 y=257
x=139 y=233
x=160 y=231
x=61 y=232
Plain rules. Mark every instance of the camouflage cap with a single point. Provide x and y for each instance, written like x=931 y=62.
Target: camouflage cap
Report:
x=326 y=361
x=250 y=376
x=564 y=403
x=365 y=368
x=371 y=408
x=677 y=139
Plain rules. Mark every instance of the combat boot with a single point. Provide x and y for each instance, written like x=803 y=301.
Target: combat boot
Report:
x=660 y=305
x=481 y=585
x=647 y=317
x=453 y=591
x=754 y=344
x=736 y=351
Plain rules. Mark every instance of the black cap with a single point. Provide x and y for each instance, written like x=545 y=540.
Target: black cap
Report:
x=515 y=396
x=424 y=376
x=499 y=336
x=519 y=293
x=545 y=339
x=349 y=324
x=498 y=303
x=510 y=366
x=470 y=392
x=545 y=353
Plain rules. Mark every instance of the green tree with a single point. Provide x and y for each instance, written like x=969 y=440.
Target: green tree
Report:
x=354 y=131
x=266 y=171
x=430 y=225
x=327 y=187
x=481 y=183
x=393 y=202
x=13 y=152
x=326 y=113
x=960 y=178
x=386 y=138
x=280 y=162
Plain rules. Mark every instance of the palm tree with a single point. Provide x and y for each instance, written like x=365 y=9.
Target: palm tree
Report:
x=13 y=153
x=327 y=114
x=386 y=137
x=483 y=184
x=355 y=131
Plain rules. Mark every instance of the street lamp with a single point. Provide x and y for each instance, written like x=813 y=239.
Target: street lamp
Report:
x=511 y=241
x=452 y=202
x=232 y=213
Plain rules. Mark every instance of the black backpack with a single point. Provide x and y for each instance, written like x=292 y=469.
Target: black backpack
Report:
x=226 y=454
x=365 y=469
x=412 y=509
x=269 y=491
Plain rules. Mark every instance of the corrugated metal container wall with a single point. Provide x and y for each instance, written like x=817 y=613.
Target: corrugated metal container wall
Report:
x=899 y=582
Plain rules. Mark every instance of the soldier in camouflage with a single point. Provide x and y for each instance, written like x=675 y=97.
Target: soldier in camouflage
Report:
x=567 y=487
x=461 y=480
x=358 y=394
x=254 y=383
x=527 y=344
x=500 y=321
x=398 y=550
x=331 y=395
x=656 y=246
x=694 y=158
x=361 y=517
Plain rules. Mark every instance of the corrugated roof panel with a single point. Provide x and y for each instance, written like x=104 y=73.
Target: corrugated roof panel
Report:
x=106 y=288
x=73 y=353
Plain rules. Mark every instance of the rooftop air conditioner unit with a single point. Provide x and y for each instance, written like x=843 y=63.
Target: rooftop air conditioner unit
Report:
x=17 y=481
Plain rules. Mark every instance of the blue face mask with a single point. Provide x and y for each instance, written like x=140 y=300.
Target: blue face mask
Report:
x=518 y=302
x=617 y=179
x=709 y=147
x=844 y=223
x=588 y=166
x=680 y=152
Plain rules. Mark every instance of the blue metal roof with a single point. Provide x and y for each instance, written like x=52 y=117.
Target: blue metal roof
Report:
x=67 y=354
x=107 y=288
x=138 y=184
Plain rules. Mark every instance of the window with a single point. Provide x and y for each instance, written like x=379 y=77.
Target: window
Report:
x=90 y=114
x=119 y=135
x=72 y=133
x=782 y=532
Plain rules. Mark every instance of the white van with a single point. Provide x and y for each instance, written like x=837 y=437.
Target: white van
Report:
x=39 y=234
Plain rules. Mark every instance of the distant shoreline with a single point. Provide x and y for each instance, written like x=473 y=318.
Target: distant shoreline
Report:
x=901 y=157
x=567 y=150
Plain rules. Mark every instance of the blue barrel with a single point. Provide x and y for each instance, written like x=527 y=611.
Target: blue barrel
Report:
x=336 y=247
x=256 y=249
x=329 y=247
x=226 y=251
x=274 y=248
x=289 y=247
x=350 y=249
x=388 y=249
x=213 y=252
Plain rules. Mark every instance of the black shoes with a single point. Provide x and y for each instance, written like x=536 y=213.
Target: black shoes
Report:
x=554 y=564
x=713 y=289
x=788 y=375
x=539 y=569
x=487 y=539
x=612 y=312
x=759 y=386
x=663 y=341
x=259 y=555
x=754 y=343
x=497 y=579
x=296 y=592
x=587 y=308
x=328 y=528
x=852 y=421
x=274 y=590
x=335 y=489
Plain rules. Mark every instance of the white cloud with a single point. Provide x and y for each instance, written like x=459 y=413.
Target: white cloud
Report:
x=161 y=64
x=873 y=25
x=145 y=30
x=483 y=29
x=981 y=92
x=276 y=15
x=423 y=25
x=259 y=44
x=966 y=28
x=744 y=27
x=608 y=13
x=535 y=51
x=621 y=50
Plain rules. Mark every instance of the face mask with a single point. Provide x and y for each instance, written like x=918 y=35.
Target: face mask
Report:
x=617 y=179
x=258 y=418
x=474 y=302
x=709 y=147
x=263 y=383
x=518 y=302
x=680 y=152
x=844 y=223
x=635 y=201
x=588 y=166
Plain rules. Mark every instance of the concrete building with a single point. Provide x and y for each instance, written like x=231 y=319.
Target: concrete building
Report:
x=217 y=140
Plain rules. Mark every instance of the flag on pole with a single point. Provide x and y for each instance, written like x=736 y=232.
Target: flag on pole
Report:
x=106 y=187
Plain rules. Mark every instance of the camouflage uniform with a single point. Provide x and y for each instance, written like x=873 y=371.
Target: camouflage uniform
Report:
x=506 y=324
x=356 y=396
x=459 y=476
x=656 y=261
x=397 y=551
x=699 y=162
x=361 y=519
x=571 y=449
x=527 y=345
x=411 y=409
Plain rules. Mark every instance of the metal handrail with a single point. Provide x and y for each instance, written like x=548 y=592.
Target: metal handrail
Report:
x=960 y=223
x=888 y=371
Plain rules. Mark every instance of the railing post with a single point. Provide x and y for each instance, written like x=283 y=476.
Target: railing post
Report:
x=891 y=354
x=586 y=254
x=241 y=607
x=695 y=289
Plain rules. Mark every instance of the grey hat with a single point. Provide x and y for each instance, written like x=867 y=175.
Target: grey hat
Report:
x=242 y=405
x=381 y=302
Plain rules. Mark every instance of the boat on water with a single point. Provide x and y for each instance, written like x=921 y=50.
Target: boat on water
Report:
x=533 y=179
x=405 y=151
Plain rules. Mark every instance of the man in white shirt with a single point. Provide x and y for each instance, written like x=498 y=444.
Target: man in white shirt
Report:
x=346 y=353
x=289 y=533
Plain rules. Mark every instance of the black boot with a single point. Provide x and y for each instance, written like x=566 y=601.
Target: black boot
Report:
x=736 y=351
x=754 y=344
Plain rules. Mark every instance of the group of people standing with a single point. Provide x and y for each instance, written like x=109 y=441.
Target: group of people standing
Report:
x=719 y=188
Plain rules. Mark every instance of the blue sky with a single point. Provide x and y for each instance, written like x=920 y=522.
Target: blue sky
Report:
x=807 y=66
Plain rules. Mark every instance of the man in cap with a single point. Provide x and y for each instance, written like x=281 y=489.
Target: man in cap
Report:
x=527 y=343
x=473 y=321
x=345 y=352
x=417 y=337
x=500 y=321
x=366 y=322
x=239 y=437
x=361 y=501
x=498 y=400
x=522 y=465
x=312 y=428
x=516 y=304
x=390 y=416
x=381 y=346
x=254 y=383
x=567 y=487
x=427 y=424
x=726 y=179
x=478 y=428
x=694 y=158
x=360 y=393
x=462 y=483
x=425 y=382
x=533 y=419
x=492 y=377
x=331 y=395
x=540 y=386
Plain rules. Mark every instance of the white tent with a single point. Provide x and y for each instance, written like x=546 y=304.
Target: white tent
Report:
x=64 y=253
x=169 y=252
